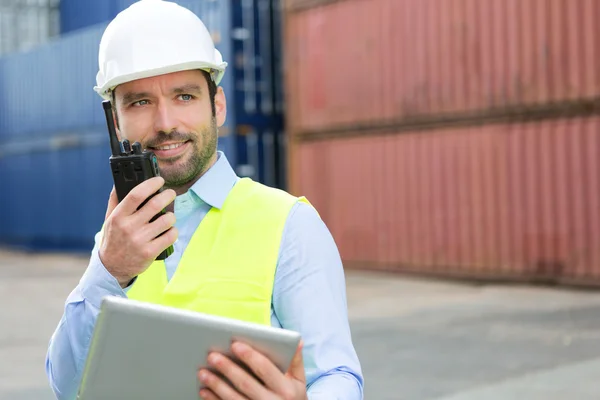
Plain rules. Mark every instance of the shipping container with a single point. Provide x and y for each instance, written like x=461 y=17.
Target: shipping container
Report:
x=513 y=200
x=55 y=197
x=78 y=14
x=51 y=119
x=365 y=62
x=49 y=91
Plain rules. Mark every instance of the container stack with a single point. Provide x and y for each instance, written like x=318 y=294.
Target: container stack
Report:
x=450 y=137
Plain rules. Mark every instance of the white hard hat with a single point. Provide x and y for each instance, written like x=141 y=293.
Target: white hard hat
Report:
x=154 y=37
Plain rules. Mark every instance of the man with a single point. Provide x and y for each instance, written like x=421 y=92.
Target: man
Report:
x=241 y=249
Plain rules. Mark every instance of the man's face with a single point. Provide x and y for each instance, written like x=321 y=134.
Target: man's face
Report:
x=171 y=115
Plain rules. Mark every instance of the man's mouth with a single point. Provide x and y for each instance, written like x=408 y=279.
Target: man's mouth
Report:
x=168 y=146
x=167 y=150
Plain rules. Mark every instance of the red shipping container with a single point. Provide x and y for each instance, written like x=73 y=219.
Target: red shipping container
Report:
x=367 y=62
x=510 y=200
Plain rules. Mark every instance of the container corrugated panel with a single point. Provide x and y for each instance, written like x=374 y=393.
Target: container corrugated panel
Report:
x=78 y=14
x=446 y=57
x=255 y=156
x=56 y=198
x=513 y=200
x=61 y=75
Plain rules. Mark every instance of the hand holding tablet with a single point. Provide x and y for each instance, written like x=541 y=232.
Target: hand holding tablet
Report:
x=148 y=351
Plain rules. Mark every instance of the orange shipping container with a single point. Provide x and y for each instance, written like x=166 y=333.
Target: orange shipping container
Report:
x=513 y=200
x=364 y=62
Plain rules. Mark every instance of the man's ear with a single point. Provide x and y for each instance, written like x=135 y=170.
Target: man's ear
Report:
x=220 y=106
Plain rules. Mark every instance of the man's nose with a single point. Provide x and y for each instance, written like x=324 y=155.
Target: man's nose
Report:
x=164 y=119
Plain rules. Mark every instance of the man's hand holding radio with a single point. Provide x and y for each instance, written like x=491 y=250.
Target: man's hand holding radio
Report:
x=130 y=242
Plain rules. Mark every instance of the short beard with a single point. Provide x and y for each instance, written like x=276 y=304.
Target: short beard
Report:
x=199 y=161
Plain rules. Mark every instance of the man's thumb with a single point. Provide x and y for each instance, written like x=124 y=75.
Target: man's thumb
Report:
x=113 y=201
x=296 y=369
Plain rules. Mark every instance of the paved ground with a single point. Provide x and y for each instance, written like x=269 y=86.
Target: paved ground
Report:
x=417 y=339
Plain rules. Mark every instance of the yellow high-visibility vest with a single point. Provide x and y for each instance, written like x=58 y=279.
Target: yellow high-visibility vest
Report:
x=228 y=267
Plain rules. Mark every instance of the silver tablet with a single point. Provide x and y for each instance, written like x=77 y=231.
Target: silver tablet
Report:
x=146 y=351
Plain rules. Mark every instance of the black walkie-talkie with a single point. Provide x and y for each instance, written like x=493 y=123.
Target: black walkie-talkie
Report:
x=131 y=166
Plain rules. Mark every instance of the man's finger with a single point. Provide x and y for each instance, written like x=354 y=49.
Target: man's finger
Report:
x=296 y=369
x=158 y=202
x=207 y=394
x=140 y=193
x=264 y=369
x=113 y=201
x=217 y=386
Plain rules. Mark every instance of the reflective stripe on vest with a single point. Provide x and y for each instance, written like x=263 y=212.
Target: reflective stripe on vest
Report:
x=228 y=267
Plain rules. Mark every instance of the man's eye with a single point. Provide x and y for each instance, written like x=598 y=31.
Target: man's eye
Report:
x=140 y=103
x=186 y=97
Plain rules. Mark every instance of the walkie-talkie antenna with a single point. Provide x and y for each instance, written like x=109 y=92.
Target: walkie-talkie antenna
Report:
x=112 y=133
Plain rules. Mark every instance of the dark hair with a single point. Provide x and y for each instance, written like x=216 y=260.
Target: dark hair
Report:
x=212 y=92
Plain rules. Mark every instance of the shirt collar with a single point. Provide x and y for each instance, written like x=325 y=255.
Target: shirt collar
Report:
x=214 y=186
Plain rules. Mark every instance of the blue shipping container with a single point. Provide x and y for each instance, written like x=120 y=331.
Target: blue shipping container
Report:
x=48 y=91
x=78 y=14
x=55 y=196
x=53 y=140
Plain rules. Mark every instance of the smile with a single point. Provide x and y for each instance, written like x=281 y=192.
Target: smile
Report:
x=171 y=150
x=170 y=146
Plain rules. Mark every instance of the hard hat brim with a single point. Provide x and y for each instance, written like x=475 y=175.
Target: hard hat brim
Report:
x=105 y=90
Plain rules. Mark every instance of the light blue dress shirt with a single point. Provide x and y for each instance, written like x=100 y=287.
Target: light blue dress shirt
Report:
x=309 y=296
